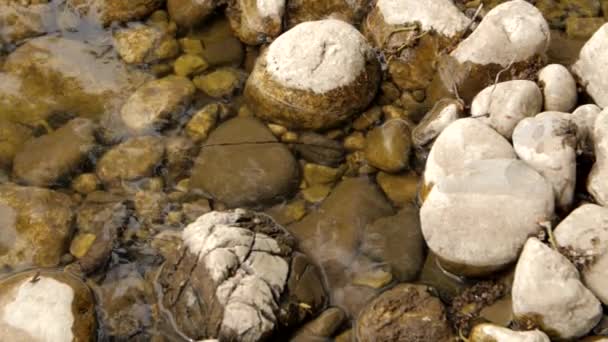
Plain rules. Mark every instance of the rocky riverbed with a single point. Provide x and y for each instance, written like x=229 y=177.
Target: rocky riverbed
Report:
x=290 y=170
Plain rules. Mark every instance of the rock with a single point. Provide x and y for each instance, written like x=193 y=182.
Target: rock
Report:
x=36 y=226
x=203 y=121
x=299 y=11
x=464 y=141
x=333 y=75
x=512 y=36
x=478 y=219
x=140 y=44
x=108 y=11
x=396 y=241
x=85 y=183
x=435 y=121
x=588 y=66
x=490 y=332
x=331 y=234
x=13 y=136
x=19 y=22
x=584 y=118
x=404 y=312
x=547 y=289
x=316 y=148
x=131 y=160
x=401 y=189
x=43 y=161
x=155 y=103
x=44 y=305
x=584 y=233
x=179 y=155
x=188 y=65
x=388 y=146
x=242 y=271
x=504 y=105
x=189 y=13
x=222 y=82
x=547 y=142
x=354 y=142
x=559 y=88
x=583 y=28
x=81 y=244
x=259 y=168
x=316 y=193
x=216 y=43
x=400 y=29
x=322 y=327
x=50 y=75
x=447 y=285
x=368 y=118
x=315 y=174
x=256 y=22
x=596 y=184
x=150 y=206
x=124 y=298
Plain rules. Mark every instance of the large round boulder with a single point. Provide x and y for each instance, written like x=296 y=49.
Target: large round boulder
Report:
x=314 y=76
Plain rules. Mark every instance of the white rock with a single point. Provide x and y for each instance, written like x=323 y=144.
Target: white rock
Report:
x=271 y=8
x=435 y=121
x=481 y=216
x=441 y=16
x=547 y=142
x=584 y=117
x=547 y=284
x=503 y=105
x=38 y=312
x=586 y=231
x=318 y=56
x=559 y=88
x=596 y=183
x=250 y=277
x=463 y=141
x=591 y=66
x=511 y=32
x=485 y=332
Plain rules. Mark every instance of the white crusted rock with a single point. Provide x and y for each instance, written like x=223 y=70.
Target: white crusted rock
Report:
x=547 y=142
x=596 y=182
x=559 y=88
x=236 y=277
x=45 y=306
x=314 y=76
x=503 y=105
x=584 y=234
x=156 y=102
x=591 y=66
x=441 y=16
x=463 y=141
x=548 y=287
x=512 y=32
x=257 y=21
x=490 y=332
x=584 y=117
x=478 y=219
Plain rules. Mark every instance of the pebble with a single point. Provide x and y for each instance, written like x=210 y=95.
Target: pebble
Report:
x=401 y=189
x=45 y=160
x=559 y=88
x=435 y=121
x=85 y=183
x=322 y=327
x=584 y=117
x=478 y=219
x=219 y=83
x=315 y=174
x=256 y=23
x=584 y=233
x=316 y=148
x=316 y=193
x=388 y=146
x=354 y=142
x=405 y=310
x=188 y=13
x=156 y=103
x=504 y=105
x=139 y=44
x=485 y=332
x=596 y=182
x=547 y=142
x=547 y=288
x=242 y=163
x=188 y=65
x=589 y=67
x=203 y=122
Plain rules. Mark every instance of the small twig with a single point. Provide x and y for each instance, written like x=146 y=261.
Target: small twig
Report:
x=36 y=278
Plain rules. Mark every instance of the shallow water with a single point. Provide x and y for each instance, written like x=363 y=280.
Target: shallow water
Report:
x=82 y=75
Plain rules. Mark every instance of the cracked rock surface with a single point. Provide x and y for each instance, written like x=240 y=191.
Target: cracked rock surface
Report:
x=237 y=277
